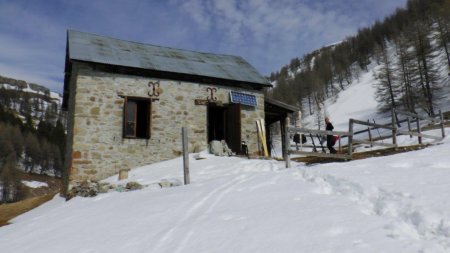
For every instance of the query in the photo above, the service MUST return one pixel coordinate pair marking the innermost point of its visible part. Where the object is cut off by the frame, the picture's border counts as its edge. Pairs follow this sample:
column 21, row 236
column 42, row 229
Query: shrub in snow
column 131, row 186
column 84, row 189
column 104, row 187
column 169, row 183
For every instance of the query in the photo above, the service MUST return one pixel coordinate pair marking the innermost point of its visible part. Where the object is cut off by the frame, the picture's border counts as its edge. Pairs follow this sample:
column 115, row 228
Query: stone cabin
column 128, row 101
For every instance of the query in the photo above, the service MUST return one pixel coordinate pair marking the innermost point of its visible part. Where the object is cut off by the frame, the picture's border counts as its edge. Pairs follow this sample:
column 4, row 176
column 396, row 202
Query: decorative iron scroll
column 212, row 97
column 155, row 87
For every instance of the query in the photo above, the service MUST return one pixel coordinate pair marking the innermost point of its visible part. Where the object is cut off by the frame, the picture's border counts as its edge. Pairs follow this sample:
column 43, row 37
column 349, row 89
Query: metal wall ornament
column 211, row 97
column 155, row 89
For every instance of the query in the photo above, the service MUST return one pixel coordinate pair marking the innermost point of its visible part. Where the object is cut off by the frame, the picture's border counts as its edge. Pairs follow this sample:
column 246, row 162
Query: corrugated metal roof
column 99, row 49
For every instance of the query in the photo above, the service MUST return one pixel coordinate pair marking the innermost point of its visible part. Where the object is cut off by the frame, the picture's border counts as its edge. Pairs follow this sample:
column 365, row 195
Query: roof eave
column 171, row 75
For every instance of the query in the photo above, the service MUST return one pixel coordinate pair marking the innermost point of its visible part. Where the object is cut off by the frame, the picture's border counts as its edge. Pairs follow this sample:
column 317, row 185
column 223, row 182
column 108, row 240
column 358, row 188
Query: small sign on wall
column 201, row 101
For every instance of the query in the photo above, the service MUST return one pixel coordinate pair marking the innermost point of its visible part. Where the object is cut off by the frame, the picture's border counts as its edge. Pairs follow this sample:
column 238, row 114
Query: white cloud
column 32, row 62
column 197, row 10
column 267, row 33
column 32, row 47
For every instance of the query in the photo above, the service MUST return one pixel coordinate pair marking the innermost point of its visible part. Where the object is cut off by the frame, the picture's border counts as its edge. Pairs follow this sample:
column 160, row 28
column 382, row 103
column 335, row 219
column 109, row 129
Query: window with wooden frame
column 137, row 118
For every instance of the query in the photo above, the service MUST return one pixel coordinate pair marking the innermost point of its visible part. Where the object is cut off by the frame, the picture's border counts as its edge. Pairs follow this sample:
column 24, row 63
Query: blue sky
column 267, row 33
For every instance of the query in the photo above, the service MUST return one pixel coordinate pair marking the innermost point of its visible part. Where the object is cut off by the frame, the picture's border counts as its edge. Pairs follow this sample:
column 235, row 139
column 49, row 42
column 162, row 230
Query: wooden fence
column 437, row 119
column 291, row 129
column 393, row 129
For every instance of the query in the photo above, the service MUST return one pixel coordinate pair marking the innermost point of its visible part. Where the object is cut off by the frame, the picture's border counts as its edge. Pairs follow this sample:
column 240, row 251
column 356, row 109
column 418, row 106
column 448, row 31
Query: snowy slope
column 357, row 101
column 389, row 204
column 56, row 97
column 40, row 99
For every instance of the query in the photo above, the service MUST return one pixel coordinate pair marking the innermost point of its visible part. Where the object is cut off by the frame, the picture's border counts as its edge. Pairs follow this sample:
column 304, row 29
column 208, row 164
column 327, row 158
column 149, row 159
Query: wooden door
column 233, row 127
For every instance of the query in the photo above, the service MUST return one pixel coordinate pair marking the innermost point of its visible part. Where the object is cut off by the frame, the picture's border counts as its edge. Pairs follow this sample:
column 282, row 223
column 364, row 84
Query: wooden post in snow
column 340, row 146
column 287, row 143
column 394, row 128
column 184, row 135
column 442, row 123
column 350, row 137
column 370, row 133
column 409, row 126
column 418, row 129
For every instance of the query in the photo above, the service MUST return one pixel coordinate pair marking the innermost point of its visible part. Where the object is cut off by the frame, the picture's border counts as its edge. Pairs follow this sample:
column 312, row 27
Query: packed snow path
column 397, row 203
column 406, row 220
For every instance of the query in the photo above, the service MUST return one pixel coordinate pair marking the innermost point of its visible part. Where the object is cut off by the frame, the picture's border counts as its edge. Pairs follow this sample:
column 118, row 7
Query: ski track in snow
column 405, row 218
column 199, row 209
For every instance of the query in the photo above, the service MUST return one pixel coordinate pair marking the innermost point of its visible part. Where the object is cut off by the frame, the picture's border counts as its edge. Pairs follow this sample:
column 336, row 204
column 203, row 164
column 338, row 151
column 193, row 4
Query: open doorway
column 224, row 123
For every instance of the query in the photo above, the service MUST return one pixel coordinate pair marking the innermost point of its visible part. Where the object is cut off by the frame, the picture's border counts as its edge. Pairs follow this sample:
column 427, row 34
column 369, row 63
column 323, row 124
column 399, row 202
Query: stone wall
column 97, row 149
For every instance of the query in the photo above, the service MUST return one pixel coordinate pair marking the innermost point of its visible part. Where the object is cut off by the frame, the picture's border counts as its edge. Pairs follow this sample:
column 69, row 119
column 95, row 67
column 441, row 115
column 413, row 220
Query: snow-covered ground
column 397, row 203
column 34, row 184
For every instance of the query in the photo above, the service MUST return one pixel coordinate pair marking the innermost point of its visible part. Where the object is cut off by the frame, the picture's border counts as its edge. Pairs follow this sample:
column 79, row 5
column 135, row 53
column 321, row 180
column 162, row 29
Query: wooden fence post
column 394, row 128
column 409, row 126
column 350, row 137
column 370, row 134
column 442, row 123
column 418, row 130
column 283, row 138
column 287, row 143
column 184, row 136
column 340, row 146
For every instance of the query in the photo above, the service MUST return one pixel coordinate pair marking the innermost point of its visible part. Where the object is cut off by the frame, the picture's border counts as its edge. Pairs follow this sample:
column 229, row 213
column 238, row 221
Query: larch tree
column 442, row 35
column 403, row 71
column 425, row 69
column 9, row 179
column 386, row 85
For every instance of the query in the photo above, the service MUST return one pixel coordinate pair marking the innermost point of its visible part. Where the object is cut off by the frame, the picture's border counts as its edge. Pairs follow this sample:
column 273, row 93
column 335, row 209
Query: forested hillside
column 408, row 53
column 32, row 134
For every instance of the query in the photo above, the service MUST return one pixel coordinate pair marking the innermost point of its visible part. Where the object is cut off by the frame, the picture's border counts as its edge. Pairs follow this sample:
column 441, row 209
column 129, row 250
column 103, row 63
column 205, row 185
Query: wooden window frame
column 137, row 118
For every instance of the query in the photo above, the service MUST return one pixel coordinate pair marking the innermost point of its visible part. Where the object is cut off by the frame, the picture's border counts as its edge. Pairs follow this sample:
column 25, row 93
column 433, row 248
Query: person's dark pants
column 329, row 144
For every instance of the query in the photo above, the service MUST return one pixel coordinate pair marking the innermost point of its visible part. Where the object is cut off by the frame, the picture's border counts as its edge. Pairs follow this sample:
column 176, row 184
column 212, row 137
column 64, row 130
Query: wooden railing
column 291, row 129
column 393, row 128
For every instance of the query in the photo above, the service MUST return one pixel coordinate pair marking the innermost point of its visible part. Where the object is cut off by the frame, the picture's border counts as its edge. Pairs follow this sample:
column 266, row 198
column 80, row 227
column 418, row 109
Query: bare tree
column 427, row 72
column 442, row 19
column 403, row 71
column 387, row 89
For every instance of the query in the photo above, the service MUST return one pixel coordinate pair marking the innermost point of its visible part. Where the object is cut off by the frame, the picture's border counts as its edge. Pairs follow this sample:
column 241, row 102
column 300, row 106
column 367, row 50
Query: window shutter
column 124, row 118
column 137, row 118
